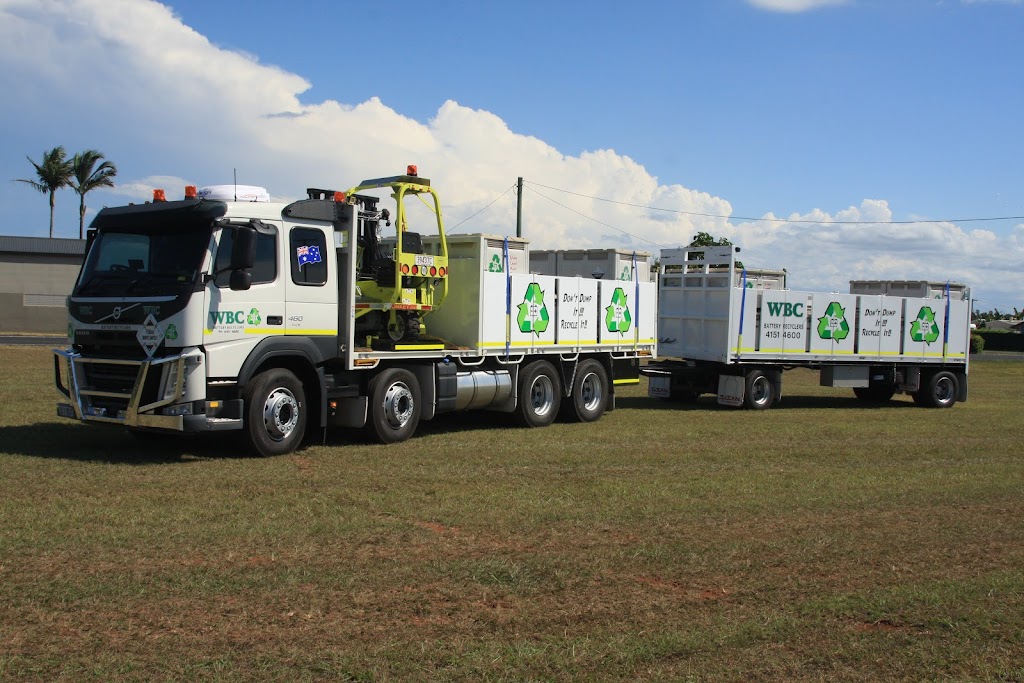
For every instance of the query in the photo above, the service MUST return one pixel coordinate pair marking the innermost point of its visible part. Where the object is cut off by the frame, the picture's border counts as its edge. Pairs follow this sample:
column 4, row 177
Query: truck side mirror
column 240, row 280
column 243, row 249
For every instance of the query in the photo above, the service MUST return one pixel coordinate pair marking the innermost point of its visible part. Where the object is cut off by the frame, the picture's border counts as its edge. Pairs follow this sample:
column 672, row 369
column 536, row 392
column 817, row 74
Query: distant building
column 36, row 276
column 1003, row 325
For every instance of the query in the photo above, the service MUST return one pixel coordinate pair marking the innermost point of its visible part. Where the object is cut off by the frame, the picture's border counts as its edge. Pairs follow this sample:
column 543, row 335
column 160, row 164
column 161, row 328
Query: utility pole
column 519, row 207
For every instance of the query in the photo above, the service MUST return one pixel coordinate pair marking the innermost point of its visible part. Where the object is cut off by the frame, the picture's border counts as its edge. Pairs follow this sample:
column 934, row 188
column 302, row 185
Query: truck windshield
column 143, row 262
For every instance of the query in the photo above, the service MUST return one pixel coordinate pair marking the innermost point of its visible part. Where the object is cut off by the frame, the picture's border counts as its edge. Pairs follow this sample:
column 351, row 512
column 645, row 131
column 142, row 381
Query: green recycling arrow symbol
column 533, row 313
column 833, row 324
column 617, row 318
column 924, row 328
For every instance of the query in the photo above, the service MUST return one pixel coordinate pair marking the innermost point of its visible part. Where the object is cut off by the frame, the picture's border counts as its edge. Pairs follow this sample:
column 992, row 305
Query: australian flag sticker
column 308, row 254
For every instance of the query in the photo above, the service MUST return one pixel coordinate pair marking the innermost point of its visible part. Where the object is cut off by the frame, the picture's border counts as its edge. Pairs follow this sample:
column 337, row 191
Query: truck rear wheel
column 540, row 394
column 589, row 393
column 939, row 391
column 759, row 393
column 275, row 412
column 394, row 405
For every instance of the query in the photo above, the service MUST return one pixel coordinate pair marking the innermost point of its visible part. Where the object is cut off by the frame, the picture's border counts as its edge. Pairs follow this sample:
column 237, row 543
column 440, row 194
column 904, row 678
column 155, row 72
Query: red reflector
column 433, row 271
column 415, row 270
column 159, row 196
column 190, row 192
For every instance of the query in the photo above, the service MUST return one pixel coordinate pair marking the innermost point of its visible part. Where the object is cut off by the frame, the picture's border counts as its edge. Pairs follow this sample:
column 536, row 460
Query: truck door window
column 264, row 268
column 308, row 256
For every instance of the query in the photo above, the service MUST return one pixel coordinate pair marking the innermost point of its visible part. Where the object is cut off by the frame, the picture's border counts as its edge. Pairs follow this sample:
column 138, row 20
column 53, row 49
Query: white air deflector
column 234, row 193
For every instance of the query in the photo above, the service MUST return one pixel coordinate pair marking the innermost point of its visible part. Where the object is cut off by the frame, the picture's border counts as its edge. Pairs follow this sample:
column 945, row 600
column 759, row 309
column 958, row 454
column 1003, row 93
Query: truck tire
column 939, row 391
column 540, row 394
column 874, row 394
column 759, row 392
column 275, row 412
column 589, row 396
column 394, row 405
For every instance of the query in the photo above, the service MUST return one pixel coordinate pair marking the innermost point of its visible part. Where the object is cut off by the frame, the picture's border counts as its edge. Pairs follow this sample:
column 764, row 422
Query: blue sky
column 866, row 110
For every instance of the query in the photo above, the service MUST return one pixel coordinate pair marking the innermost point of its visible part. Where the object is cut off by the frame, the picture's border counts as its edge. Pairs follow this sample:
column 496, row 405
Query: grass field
column 820, row 540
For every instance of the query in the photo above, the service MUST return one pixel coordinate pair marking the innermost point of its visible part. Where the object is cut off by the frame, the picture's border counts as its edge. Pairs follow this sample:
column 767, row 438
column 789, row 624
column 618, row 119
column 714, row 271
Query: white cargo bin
column 603, row 264
column 544, row 262
column 490, row 310
column 761, row 279
column 922, row 289
column 485, row 252
column 872, row 287
column 914, row 289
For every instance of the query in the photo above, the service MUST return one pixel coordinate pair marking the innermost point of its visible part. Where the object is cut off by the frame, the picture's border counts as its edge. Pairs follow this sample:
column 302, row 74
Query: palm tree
column 53, row 173
column 86, row 179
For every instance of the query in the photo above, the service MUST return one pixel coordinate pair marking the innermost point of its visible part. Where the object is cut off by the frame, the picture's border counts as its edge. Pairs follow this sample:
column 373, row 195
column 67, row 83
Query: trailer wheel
column 540, row 394
column 759, row 393
column 394, row 405
column 275, row 412
column 940, row 391
column 878, row 393
column 589, row 393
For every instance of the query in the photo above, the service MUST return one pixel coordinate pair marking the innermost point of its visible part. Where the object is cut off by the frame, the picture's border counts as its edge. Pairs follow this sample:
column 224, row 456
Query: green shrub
column 1002, row 340
column 977, row 343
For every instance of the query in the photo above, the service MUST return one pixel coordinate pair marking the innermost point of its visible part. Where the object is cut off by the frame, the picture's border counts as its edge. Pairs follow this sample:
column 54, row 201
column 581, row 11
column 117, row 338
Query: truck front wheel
column 394, row 405
column 275, row 412
column 939, row 391
column 540, row 394
column 589, row 393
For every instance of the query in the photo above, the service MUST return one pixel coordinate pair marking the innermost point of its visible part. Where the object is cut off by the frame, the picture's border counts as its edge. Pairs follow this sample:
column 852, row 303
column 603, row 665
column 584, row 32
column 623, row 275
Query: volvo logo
column 116, row 314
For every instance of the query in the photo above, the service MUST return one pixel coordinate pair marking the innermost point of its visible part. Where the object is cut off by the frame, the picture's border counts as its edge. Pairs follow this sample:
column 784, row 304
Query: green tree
column 52, row 174
column 86, row 177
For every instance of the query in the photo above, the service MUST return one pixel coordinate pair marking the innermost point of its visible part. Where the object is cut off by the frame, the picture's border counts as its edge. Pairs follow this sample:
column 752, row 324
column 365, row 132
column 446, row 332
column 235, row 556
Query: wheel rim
column 590, row 391
column 397, row 331
column 760, row 391
column 944, row 390
column 398, row 405
column 280, row 414
column 542, row 395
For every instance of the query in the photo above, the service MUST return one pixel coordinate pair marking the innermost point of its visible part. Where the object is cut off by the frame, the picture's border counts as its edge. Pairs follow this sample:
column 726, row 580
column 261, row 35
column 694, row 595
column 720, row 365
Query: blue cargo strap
column 743, row 306
column 636, row 304
column 945, row 326
column 508, row 298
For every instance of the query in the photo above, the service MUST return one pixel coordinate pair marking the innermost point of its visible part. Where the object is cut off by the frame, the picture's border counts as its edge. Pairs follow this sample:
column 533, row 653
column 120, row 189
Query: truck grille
column 113, row 378
column 111, row 389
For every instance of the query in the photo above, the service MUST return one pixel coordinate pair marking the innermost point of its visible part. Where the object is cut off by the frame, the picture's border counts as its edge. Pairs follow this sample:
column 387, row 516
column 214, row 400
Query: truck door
column 312, row 294
column 236, row 321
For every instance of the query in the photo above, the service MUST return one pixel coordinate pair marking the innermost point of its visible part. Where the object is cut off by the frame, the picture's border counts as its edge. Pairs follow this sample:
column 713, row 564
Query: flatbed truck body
column 275, row 320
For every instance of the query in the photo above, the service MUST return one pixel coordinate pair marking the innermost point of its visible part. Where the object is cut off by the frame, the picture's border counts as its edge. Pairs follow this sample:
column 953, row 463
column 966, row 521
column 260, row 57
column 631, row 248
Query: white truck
column 211, row 314
column 721, row 334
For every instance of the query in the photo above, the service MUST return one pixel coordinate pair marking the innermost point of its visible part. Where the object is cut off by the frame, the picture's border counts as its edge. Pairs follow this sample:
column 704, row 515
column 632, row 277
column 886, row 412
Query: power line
column 771, row 220
column 569, row 208
column 485, row 208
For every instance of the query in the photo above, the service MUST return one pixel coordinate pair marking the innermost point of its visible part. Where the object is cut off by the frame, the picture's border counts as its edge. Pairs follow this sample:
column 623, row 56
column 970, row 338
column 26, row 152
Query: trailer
column 723, row 334
column 276, row 320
